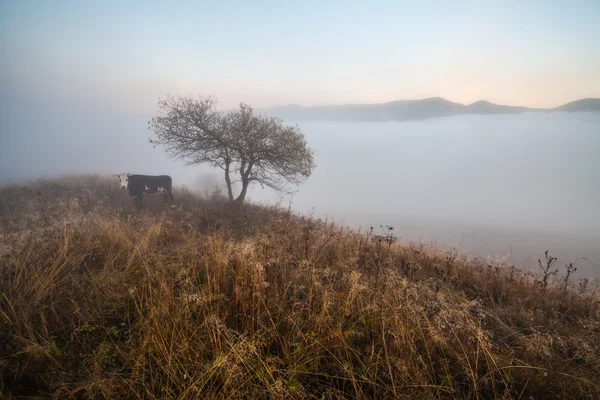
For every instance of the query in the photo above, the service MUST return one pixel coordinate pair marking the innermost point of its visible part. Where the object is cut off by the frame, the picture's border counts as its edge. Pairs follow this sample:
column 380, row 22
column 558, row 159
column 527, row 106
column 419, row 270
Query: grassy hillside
column 98, row 300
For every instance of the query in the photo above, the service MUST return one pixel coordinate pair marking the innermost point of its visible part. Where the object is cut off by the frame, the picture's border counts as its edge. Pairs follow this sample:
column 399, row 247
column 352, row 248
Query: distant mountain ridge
column 405, row 110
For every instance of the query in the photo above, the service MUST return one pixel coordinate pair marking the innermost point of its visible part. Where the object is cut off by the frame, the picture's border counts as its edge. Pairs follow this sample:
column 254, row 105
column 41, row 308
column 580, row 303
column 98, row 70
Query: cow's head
column 123, row 180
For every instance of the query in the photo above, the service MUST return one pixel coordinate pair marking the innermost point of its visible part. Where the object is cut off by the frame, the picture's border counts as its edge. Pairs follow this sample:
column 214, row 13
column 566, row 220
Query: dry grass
column 191, row 301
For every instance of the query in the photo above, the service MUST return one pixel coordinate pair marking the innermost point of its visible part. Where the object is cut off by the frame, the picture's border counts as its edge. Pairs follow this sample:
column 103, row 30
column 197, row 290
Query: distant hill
column 485, row 107
column 590, row 105
column 404, row 110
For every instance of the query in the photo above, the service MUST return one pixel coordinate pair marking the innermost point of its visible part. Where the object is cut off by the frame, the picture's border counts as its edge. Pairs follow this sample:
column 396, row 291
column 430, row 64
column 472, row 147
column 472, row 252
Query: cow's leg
column 140, row 202
column 167, row 191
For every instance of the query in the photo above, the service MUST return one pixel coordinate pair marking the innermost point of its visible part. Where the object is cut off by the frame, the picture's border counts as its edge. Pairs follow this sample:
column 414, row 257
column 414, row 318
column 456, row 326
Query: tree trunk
column 245, row 173
column 228, row 181
column 240, row 199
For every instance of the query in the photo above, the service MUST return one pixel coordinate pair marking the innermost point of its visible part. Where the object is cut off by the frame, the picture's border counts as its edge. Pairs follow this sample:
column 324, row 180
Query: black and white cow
column 137, row 185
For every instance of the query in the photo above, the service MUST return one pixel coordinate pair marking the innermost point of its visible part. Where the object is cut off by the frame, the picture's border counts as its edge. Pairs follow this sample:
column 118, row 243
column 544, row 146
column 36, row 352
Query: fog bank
column 495, row 184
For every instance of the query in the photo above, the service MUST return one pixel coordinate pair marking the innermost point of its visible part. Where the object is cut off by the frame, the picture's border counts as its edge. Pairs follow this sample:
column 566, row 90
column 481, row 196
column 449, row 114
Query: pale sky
column 518, row 52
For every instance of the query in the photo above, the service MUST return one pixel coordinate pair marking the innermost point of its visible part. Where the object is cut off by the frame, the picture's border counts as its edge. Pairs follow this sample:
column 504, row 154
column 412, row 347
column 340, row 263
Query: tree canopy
column 254, row 148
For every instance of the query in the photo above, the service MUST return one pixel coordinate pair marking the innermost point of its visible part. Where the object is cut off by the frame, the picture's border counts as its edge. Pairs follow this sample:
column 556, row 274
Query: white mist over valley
column 497, row 186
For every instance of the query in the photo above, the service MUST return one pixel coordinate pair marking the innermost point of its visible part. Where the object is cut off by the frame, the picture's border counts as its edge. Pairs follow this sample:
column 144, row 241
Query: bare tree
column 254, row 148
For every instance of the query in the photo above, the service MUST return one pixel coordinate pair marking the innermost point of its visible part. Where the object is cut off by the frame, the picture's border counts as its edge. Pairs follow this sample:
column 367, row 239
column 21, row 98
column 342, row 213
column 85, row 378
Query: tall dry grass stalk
column 98, row 300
